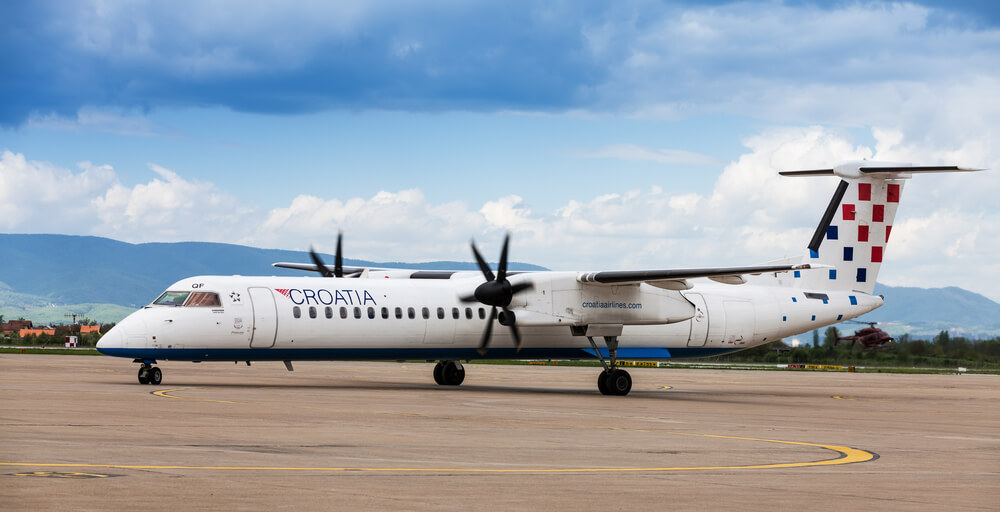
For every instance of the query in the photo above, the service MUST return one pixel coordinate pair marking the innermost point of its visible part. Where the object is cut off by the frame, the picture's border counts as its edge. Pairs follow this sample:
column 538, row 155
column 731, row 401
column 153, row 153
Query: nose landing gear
column 149, row 374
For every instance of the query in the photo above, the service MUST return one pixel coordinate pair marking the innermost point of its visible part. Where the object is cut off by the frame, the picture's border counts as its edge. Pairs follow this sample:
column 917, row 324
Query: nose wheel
column 149, row 374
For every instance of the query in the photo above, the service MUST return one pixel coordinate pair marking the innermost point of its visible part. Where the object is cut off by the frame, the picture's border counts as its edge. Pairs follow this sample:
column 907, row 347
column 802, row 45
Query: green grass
column 60, row 351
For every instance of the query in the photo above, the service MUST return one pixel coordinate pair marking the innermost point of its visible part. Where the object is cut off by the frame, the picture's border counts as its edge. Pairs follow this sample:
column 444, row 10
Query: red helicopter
column 870, row 337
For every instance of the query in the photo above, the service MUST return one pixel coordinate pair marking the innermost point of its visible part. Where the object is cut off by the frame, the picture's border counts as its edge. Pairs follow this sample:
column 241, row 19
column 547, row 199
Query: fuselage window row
column 456, row 313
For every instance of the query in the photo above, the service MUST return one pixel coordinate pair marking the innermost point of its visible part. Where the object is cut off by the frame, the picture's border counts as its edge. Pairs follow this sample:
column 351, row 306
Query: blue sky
column 602, row 135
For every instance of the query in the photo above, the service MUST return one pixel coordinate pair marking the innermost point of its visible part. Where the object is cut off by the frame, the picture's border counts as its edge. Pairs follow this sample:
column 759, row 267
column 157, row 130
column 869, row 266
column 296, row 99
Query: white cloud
column 400, row 226
column 169, row 208
column 42, row 198
column 946, row 233
column 927, row 72
column 38, row 197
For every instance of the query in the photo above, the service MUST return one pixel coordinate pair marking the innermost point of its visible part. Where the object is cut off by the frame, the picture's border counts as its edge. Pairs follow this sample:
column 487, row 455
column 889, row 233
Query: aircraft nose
column 111, row 340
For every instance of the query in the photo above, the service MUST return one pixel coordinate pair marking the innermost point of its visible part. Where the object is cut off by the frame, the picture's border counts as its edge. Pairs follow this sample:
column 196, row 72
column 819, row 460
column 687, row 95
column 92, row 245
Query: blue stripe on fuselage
column 382, row 354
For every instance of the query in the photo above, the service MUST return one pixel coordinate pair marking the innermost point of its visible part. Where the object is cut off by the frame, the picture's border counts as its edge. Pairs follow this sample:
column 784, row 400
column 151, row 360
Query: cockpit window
column 170, row 298
column 203, row 299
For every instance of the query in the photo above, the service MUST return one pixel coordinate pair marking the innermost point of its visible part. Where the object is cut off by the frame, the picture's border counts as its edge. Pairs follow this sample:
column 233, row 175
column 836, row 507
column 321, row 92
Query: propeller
column 338, row 261
column 498, row 292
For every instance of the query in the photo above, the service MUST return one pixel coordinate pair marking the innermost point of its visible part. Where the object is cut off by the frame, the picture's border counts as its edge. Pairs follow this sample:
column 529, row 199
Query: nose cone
column 112, row 340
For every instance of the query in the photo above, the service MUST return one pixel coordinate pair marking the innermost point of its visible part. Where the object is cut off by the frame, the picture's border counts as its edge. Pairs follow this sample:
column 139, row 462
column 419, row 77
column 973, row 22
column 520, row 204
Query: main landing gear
column 149, row 374
column 449, row 373
column 612, row 381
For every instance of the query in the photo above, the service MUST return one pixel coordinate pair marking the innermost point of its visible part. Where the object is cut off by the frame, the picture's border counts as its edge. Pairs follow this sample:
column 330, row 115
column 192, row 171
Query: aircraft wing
column 667, row 278
column 348, row 271
column 398, row 272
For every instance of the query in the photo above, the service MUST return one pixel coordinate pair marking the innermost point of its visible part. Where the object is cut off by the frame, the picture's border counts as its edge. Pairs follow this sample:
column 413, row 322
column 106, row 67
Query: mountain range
column 46, row 278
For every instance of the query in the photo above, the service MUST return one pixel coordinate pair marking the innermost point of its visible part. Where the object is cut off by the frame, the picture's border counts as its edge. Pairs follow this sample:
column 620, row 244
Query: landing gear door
column 265, row 318
column 699, row 323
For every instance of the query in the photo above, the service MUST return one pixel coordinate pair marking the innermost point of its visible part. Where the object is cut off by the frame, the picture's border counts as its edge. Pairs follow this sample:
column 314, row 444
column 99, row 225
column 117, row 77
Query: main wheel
column 619, row 383
column 143, row 375
column 452, row 373
column 438, row 373
column 602, row 383
column 155, row 376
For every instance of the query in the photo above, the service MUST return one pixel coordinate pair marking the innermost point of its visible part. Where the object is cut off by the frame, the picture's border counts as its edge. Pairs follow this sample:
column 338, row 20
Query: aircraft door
column 440, row 327
column 699, row 323
column 265, row 318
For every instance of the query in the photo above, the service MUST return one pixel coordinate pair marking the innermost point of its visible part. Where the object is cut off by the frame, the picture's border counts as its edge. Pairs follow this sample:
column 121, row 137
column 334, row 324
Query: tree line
column 943, row 351
column 88, row 339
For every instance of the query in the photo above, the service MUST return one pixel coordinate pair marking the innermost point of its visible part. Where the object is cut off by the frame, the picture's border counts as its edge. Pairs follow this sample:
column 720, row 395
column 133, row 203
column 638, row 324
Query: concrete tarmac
column 80, row 433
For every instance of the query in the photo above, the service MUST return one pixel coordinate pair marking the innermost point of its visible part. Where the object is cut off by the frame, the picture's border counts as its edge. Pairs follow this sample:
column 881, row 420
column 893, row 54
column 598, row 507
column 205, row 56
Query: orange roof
column 35, row 332
column 90, row 328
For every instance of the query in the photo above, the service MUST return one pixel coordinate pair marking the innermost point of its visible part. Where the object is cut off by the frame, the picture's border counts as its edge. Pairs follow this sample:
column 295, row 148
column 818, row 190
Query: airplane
column 358, row 313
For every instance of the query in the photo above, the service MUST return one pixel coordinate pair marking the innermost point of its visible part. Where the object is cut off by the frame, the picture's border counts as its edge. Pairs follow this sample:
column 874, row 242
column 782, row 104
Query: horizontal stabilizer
column 859, row 169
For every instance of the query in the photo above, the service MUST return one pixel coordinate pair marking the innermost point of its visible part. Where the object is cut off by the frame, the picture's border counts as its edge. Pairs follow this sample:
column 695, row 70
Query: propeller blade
column 483, row 266
column 338, row 262
column 320, row 266
column 485, row 342
column 502, row 268
column 468, row 298
column 513, row 329
column 520, row 287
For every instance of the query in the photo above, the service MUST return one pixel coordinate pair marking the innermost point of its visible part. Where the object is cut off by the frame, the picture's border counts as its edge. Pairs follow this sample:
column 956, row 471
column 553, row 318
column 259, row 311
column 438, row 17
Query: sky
column 601, row 135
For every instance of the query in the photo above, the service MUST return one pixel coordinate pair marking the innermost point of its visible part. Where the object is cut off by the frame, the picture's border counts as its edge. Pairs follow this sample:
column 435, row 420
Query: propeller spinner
column 498, row 292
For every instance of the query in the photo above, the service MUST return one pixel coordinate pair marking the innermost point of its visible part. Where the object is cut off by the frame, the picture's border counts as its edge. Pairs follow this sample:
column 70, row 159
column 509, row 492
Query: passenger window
column 385, row 312
column 482, row 314
column 329, row 312
column 399, row 313
column 297, row 312
column 357, row 312
column 371, row 312
column 468, row 313
column 440, row 313
column 411, row 313
column 426, row 312
column 454, row 313
column 343, row 312
column 312, row 311
column 203, row 299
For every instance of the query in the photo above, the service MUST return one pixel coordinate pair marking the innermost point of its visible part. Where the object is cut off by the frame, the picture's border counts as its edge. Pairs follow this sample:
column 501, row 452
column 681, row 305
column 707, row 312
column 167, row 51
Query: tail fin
column 855, row 229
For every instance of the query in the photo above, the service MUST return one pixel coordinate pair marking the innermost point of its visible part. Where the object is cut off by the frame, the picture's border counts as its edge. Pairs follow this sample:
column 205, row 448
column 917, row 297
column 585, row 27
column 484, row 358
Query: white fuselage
column 390, row 315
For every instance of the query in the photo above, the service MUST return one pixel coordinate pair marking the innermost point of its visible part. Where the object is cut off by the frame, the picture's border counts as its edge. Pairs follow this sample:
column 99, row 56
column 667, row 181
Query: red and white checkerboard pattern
column 856, row 239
